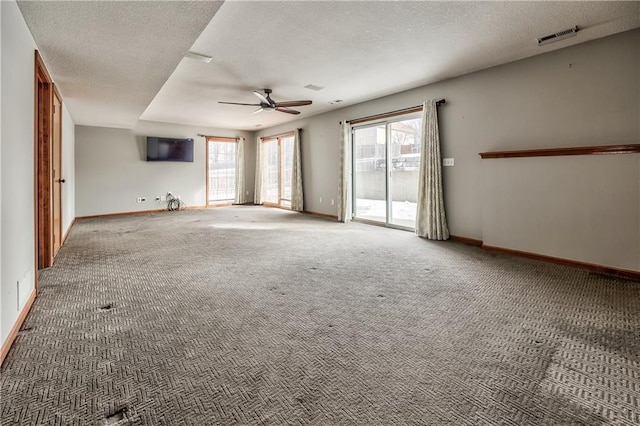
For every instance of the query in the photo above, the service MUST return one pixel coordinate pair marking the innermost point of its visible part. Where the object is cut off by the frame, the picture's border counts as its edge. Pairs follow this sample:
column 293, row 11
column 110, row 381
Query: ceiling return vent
column 560, row 35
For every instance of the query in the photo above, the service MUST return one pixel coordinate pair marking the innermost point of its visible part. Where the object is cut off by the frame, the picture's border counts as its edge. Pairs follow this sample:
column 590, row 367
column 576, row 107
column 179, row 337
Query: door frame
column 282, row 202
column 216, row 203
column 43, row 135
column 57, row 179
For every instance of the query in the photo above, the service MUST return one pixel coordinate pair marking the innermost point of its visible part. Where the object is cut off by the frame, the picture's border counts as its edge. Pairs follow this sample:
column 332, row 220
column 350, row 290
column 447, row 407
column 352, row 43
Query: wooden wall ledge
column 553, row 152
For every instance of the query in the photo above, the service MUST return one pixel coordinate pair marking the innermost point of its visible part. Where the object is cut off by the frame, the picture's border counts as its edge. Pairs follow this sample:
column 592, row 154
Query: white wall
column 1, row 322
column 68, row 170
column 17, row 155
column 586, row 94
column 112, row 171
column 17, row 148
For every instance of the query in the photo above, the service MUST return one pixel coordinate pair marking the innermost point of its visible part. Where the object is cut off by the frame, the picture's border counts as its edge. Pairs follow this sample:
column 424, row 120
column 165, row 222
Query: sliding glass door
column 386, row 159
column 221, row 171
column 277, row 164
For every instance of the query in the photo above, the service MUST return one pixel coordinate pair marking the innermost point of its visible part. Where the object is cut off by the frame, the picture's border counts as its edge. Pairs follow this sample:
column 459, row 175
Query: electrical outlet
column 139, row 199
column 320, row 199
column 447, row 162
column 247, row 192
column 163, row 198
column 332, row 202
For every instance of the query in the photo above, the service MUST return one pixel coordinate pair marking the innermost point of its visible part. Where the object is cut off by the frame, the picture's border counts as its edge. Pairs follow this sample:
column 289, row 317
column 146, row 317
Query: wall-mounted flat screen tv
column 169, row 149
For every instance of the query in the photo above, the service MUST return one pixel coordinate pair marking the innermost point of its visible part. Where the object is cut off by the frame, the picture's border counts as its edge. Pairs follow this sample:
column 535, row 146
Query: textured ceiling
column 111, row 58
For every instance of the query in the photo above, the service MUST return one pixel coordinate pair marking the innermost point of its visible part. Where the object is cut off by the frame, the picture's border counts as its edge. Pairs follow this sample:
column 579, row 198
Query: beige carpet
column 249, row 315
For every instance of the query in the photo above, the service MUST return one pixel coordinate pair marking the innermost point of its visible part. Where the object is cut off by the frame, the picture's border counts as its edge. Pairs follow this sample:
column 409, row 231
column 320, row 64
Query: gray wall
column 112, row 171
column 17, row 207
column 583, row 208
column 588, row 94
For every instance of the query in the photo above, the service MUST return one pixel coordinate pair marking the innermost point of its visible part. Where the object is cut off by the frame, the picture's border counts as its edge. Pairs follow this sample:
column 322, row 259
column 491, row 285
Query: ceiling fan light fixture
column 198, row 57
column 313, row 87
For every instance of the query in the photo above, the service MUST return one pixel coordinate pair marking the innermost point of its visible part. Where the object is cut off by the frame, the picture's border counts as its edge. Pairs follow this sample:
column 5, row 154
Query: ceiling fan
column 268, row 104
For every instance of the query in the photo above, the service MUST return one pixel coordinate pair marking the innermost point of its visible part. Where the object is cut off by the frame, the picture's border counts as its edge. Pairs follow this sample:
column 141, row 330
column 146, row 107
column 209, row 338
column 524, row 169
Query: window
column 221, row 170
column 277, row 166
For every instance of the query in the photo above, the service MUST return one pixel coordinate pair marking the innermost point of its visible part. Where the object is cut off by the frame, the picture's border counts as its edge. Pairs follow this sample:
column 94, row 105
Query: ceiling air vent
column 560, row 35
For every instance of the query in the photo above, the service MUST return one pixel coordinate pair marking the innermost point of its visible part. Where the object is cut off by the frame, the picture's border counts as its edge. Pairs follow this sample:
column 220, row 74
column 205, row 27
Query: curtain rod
column 392, row 113
column 280, row 135
column 220, row 137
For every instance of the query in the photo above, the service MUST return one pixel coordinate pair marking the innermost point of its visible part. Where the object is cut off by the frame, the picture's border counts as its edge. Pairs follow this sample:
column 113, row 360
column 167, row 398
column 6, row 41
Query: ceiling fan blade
column 236, row 103
column 293, row 103
column 262, row 98
column 257, row 111
column 287, row 110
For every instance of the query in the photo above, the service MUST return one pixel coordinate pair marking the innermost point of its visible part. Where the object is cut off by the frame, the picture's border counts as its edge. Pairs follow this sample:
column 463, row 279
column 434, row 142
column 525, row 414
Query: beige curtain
column 297, row 199
column 431, row 222
column 344, row 174
column 257, row 196
column 240, row 187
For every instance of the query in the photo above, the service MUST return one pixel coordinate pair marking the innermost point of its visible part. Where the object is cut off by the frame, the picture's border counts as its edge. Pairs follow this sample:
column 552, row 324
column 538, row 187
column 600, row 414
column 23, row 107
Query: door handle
column 61, row 180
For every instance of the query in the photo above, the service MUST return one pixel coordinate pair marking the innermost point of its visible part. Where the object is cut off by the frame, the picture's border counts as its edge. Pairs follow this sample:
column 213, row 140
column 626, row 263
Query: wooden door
column 57, row 180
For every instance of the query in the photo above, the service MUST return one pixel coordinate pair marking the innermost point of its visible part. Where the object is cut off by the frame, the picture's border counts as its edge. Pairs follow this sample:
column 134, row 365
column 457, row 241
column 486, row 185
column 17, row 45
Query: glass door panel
column 271, row 170
column 404, row 150
column 370, row 171
column 287, row 169
column 221, row 171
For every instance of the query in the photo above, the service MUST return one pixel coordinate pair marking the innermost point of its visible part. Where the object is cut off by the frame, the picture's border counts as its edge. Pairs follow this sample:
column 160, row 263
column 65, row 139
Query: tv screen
column 169, row 149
